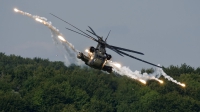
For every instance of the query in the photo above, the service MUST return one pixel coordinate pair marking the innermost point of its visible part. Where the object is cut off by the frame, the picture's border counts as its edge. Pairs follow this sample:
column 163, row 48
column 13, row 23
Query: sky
column 167, row 32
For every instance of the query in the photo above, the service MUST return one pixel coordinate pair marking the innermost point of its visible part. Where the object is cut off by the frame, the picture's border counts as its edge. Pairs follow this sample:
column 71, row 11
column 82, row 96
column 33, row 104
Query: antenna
column 107, row 35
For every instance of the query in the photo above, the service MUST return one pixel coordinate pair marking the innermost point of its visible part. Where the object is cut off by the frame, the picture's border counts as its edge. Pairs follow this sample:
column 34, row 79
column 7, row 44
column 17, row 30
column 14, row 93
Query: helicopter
column 97, row 56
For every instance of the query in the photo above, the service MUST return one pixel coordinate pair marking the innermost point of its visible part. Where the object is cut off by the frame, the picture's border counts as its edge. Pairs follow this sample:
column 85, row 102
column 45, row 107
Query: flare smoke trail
column 71, row 53
column 142, row 77
column 57, row 37
column 134, row 75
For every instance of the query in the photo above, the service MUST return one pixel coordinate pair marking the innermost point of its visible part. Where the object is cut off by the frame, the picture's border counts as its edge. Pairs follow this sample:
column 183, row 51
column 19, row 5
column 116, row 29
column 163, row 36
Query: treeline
column 40, row 85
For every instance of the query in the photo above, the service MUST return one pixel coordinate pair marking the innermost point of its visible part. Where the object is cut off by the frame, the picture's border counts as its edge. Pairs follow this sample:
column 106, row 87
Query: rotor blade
column 127, row 50
column 70, row 24
column 107, row 35
column 82, row 34
column 93, row 34
column 115, row 51
column 140, row 59
column 92, row 30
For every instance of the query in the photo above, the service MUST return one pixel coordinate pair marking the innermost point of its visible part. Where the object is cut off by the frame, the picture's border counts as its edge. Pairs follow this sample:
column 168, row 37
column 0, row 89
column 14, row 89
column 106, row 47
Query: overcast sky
column 167, row 32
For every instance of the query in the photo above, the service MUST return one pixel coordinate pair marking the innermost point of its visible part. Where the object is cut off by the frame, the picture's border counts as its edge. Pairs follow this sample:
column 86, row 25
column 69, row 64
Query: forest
column 37, row 85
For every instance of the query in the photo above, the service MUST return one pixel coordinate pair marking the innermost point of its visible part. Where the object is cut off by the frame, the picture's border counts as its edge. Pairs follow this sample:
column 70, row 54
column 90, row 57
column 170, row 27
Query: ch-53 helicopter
column 97, row 57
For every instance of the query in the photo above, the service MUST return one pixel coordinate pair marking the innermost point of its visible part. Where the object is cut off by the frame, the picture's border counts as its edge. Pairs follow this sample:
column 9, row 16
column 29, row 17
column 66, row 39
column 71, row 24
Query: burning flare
column 161, row 82
column 142, row 81
column 61, row 38
column 87, row 51
column 16, row 10
column 183, row 85
column 39, row 20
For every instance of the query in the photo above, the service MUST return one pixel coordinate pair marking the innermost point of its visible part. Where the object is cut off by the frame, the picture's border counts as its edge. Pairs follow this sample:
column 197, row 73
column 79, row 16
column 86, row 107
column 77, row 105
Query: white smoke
column 160, row 72
column 71, row 53
column 125, row 71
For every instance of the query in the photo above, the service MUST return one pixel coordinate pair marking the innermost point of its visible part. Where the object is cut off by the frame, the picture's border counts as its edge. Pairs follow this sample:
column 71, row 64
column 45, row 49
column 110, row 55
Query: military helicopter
column 97, row 56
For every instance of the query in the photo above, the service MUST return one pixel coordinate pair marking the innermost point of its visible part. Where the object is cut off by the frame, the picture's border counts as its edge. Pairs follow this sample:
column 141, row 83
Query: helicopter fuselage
column 96, row 58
